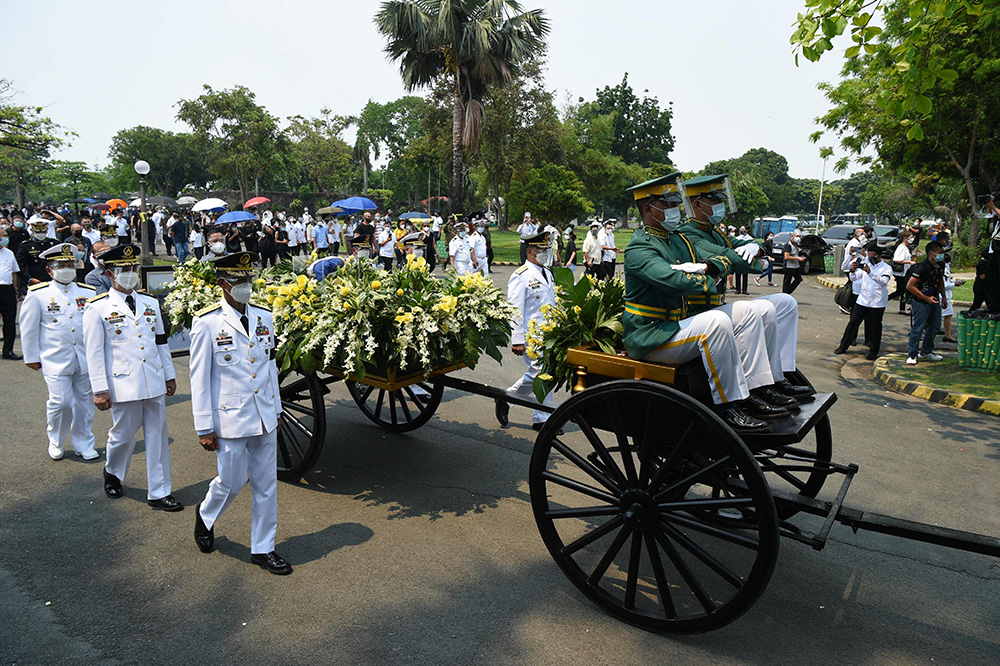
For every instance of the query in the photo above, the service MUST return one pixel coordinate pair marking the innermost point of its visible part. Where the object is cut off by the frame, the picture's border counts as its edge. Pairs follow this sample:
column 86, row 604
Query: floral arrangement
column 193, row 288
column 364, row 317
column 587, row 313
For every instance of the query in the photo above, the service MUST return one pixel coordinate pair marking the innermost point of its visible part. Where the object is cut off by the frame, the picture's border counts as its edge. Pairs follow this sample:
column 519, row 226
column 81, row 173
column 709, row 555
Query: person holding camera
column 926, row 287
column 874, row 276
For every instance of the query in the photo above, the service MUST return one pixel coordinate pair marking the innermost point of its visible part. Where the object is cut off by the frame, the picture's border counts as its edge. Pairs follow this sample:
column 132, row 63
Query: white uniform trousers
column 70, row 411
column 127, row 418
column 710, row 335
column 782, row 348
column 751, row 341
column 256, row 457
column 524, row 388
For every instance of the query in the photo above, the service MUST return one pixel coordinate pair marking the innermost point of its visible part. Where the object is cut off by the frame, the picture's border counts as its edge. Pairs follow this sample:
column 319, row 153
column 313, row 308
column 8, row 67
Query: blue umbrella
column 236, row 216
column 355, row 204
column 415, row 216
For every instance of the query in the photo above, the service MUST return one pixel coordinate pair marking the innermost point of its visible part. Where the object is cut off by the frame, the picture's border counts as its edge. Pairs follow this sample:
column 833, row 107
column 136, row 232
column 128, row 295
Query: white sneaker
column 930, row 357
column 912, row 360
column 89, row 455
column 55, row 452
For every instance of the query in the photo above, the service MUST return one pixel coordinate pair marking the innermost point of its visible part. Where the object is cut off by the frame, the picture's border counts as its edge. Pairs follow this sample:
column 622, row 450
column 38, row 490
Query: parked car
column 840, row 234
column 887, row 235
column 813, row 246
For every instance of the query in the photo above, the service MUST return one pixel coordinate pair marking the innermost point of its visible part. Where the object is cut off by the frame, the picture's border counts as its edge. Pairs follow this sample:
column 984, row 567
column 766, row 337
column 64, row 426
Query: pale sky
column 104, row 65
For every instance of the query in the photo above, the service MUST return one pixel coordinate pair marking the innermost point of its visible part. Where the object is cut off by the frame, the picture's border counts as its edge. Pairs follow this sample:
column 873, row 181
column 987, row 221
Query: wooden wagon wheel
column 402, row 410
column 653, row 507
column 303, row 424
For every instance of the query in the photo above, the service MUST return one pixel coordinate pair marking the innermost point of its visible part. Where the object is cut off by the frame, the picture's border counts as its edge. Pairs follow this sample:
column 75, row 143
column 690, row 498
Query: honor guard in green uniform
column 706, row 200
column 667, row 275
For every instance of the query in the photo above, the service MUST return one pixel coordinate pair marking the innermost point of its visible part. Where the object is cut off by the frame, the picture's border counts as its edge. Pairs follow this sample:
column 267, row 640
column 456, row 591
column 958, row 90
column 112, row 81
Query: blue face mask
column 19, row 225
column 672, row 218
column 718, row 212
column 4, row 242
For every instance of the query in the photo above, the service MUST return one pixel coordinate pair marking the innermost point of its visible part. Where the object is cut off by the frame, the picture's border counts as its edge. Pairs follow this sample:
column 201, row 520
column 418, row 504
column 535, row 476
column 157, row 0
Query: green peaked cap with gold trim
column 664, row 187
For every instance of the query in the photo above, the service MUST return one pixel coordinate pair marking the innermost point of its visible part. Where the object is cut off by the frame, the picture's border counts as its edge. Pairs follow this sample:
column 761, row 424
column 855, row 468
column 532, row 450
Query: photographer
column 873, row 275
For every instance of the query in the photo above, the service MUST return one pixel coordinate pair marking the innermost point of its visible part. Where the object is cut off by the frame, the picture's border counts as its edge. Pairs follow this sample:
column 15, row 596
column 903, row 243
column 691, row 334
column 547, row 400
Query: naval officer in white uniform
column 236, row 405
column 52, row 341
column 529, row 288
column 131, row 372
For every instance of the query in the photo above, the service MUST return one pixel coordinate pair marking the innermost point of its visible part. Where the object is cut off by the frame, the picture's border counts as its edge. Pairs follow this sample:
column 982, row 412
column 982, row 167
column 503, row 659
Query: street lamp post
column 819, row 206
column 142, row 168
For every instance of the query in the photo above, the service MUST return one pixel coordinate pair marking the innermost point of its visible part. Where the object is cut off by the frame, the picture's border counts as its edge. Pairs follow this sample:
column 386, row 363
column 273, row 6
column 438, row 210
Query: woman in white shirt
column 461, row 251
column 386, row 241
column 197, row 240
column 874, row 276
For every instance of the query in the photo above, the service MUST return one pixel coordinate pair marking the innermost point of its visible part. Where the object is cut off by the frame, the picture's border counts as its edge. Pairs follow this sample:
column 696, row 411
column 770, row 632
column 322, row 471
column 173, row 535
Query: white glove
column 690, row 267
column 749, row 252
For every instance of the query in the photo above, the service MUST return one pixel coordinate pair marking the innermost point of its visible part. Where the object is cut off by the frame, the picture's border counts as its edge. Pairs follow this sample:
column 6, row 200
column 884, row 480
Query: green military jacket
column 715, row 242
column 656, row 295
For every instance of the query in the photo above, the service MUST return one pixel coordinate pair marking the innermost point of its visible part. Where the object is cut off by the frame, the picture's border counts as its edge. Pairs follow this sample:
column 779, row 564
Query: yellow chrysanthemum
column 377, row 284
column 400, row 292
column 546, row 377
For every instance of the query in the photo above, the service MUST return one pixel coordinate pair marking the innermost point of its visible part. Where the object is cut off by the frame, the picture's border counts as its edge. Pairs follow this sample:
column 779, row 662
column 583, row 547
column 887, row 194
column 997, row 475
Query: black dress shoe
column 204, row 538
column 760, row 408
column 776, row 397
column 167, row 503
column 794, row 390
column 838, row 351
column 13, row 357
column 112, row 486
column 271, row 562
column 738, row 419
column 871, row 357
column 502, row 411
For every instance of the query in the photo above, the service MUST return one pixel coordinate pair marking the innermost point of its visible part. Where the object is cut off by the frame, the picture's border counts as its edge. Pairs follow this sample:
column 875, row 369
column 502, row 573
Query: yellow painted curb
column 899, row 384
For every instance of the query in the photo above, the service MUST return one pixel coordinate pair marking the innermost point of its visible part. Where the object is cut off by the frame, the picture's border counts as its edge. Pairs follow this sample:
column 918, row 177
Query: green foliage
column 26, row 139
column 471, row 43
column 176, row 161
column 587, row 313
column 241, row 138
column 62, row 181
column 640, row 129
column 319, row 157
column 552, row 192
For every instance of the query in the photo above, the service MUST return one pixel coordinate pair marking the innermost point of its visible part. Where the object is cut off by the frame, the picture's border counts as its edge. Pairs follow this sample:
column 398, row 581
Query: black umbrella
column 102, row 196
column 161, row 201
column 82, row 200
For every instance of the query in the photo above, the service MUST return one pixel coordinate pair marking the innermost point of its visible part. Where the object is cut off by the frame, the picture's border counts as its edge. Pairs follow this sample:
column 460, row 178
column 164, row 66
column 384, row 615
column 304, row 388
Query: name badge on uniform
column 223, row 338
column 53, row 307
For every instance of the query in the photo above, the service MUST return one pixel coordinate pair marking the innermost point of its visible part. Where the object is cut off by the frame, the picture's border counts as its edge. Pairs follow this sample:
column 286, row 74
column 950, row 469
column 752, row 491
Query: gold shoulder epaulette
column 86, row 286
column 97, row 298
column 521, row 269
column 210, row 308
column 38, row 286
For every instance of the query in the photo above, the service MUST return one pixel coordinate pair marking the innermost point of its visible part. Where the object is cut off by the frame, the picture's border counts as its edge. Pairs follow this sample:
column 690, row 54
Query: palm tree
column 476, row 43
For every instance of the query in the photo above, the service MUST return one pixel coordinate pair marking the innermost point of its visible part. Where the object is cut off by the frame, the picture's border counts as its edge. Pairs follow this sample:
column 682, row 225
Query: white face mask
column 217, row 247
column 543, row 257
column 63, row 275
column 127, row 280
column 112, row 241
column 39, row 235
column 242, row 292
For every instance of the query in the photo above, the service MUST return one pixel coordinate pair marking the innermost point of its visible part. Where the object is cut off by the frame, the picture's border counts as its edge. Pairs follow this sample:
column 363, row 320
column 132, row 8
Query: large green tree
column 241, row 138
column 552, row 192
column 922, row 94
column 176, row 160
column 472, row 43
column 640, row 127
column 318, row 154
column 26, row 139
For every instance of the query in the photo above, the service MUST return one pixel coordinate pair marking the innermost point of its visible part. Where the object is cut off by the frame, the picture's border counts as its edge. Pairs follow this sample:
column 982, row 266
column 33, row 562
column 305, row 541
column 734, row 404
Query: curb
column 883, row 373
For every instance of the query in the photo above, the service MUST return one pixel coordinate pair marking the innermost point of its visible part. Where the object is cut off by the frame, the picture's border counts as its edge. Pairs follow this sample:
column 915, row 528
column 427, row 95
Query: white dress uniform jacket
column 234, row 380
column 127, row 353
column 51, row 324
column 52, row 334
column 529, row 288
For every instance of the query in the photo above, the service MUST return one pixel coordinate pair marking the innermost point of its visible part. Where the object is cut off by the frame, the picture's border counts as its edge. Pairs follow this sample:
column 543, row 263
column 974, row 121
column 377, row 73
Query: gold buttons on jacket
column 253, row 376
column 228, row 357
column 255, row 391
column 118, row 331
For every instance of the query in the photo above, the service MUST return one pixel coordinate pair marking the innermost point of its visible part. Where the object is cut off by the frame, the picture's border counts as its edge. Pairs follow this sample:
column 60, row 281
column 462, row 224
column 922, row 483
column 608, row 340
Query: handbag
column 842, row 296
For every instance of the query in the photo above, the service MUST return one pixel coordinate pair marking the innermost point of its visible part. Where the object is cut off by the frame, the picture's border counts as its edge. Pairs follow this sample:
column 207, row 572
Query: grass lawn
column 947, row 375
column 507, row 244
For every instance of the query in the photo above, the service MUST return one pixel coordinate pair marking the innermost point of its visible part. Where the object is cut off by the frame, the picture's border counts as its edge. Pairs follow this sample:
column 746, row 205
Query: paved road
column 422, row 549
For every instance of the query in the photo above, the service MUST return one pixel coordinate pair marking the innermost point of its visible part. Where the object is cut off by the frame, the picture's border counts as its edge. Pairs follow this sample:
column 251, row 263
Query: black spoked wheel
column 402, row 410
column 800, row 468
column 303, row 424
column 653, row 508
